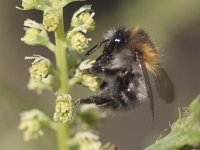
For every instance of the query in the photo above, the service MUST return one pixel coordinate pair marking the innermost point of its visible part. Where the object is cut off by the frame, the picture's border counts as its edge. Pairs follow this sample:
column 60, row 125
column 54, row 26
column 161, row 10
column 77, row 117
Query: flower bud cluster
column 31, row 36
column 82, row 22
column 90, row 81
column 83, row 19
column 88, row 141
column 44, row 84
column 41, row 74
column 41, row 68
column 35, row 34
column 29, row 4
column 79, row 42
column 51, row 20
column 64, row 108
column 35, row 4
column 31, row 124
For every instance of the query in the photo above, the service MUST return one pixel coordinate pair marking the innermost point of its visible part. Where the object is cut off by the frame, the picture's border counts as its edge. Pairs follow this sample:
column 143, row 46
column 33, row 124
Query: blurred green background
column 175, row 26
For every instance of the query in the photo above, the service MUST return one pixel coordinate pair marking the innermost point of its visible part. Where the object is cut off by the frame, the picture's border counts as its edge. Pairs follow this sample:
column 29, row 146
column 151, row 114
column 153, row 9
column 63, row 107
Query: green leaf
column 185, row 132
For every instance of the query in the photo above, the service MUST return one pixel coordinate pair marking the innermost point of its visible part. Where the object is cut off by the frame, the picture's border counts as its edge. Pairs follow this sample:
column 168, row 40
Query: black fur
column 119, row 87
column 123, row 70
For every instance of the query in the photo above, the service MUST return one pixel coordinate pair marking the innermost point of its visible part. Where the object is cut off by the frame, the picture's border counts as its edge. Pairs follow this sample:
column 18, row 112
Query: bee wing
column 142, row 66
column 164, row 85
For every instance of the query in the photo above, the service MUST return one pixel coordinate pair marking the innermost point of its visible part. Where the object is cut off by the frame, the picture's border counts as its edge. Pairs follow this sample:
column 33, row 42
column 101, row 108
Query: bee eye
column 116, row 43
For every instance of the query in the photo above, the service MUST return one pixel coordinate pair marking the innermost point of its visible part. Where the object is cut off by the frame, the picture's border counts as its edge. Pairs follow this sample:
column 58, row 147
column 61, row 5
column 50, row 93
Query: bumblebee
column 129, row 56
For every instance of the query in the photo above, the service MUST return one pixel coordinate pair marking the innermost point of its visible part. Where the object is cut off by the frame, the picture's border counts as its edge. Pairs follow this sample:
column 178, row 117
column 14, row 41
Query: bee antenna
column 98, row 45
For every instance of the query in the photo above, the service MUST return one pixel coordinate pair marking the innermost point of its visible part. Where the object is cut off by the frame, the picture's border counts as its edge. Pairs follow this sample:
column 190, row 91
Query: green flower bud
column 51, row 20
column 88, row 141
column 29, row 4
column 87, row 18
column 90, row 145
column 79, row 42
column 39, row 71
column 35, row 36
column 92, row 82
column 35, row 4
column 41, row 68
column 31, row 129
column 31, row 124
column 82, row 19
column 44, row 84
column 31, row 36
column 64, row 108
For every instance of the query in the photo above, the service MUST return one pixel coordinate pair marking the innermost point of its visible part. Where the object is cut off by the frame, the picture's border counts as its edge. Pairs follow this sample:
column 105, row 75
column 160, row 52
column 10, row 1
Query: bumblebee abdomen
column 127, row 91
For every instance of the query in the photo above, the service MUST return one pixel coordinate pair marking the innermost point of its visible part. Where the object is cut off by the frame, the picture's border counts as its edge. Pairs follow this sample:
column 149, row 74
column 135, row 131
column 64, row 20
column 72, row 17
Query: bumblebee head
column 129, row 40
column 117, row 39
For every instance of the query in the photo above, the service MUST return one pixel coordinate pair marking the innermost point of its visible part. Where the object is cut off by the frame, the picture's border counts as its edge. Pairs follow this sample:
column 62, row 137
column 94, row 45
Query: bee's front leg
column 101, row 66
column 94, row 70
column 101, row 70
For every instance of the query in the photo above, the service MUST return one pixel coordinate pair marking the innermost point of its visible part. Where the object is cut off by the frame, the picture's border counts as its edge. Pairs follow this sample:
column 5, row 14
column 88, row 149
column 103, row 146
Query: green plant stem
column 62, row 68
column 61, row 58
column 61, row 61
column 62, row 136
column 50, row 46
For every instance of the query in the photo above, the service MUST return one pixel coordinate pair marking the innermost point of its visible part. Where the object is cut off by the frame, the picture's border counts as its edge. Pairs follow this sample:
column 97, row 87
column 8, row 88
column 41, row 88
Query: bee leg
column 93, row 99
column 99, row 65
column 102, row 102
column 100, row 70
column 110, row 72
column 111, row 105
column 105, row 71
